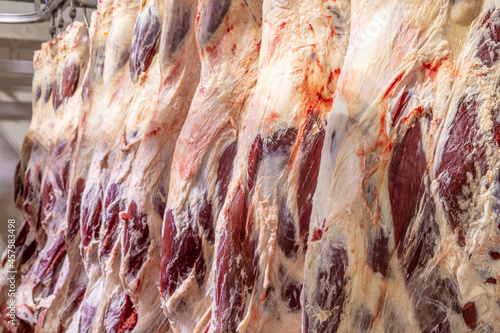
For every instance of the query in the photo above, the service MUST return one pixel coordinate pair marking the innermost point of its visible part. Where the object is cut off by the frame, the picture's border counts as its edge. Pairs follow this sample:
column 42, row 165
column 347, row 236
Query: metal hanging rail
column 41, row 15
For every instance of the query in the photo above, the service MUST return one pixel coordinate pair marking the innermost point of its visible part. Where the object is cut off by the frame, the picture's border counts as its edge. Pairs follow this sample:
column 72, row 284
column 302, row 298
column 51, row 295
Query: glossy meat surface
column 262, row 166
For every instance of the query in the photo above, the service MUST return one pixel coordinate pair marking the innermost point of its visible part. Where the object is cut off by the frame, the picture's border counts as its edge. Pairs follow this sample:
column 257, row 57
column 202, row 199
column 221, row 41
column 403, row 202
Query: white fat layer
column 399, row 45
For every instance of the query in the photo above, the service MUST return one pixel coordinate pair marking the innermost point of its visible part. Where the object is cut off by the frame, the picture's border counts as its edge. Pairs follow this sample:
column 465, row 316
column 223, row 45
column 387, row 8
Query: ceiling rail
column 43, row 15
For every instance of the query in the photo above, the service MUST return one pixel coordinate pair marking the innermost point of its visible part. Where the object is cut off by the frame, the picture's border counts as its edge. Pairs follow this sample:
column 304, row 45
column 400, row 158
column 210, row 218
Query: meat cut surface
column 203, row 159
column 262, row 230
column 262, row 166
column 406, row 240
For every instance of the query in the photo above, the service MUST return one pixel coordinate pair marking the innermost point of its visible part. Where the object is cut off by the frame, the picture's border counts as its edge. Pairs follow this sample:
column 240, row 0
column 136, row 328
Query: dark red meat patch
column 225, row 172
column 310, row 158
column 407, row 171
column 136, row 240
column 463, row 153
column 488, row 50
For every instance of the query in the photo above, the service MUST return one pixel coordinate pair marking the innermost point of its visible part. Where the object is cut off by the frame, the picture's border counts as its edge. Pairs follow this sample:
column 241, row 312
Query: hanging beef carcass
column 401, row 234
column 32, row 236
column 115, row 85
column 26, row 304
column 25, row 242
column 93, row 96
column 39, row 58
column 401, row 240
column 146, row 77
column 48, row 273
column 263, row 228
column 67, row 309
column 33, row 154
column 137, row 194
column 8, row 262
column 56, row 183
column 110, row 86
column 113, row 94
column 228, row 35
column 38, row 61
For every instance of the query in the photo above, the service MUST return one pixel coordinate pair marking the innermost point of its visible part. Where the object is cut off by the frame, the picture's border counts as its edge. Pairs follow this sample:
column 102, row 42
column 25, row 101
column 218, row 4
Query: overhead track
column 44, row 14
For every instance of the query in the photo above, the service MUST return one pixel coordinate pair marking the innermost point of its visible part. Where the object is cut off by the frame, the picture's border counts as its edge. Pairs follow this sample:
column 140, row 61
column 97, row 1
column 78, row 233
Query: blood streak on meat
column 317, row 235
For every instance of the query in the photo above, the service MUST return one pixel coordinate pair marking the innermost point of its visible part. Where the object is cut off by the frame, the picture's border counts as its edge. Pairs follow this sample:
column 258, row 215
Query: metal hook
column 72, row 10
column 85, row 19
column 52, row 27
column 60, row 19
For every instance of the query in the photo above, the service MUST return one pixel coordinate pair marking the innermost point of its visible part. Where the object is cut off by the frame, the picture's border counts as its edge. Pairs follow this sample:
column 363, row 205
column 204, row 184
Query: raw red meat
column 264, row 225
column 54, row 212
column 407, row 156
column 44, row 278
column 143, row 186
column 228, row 34
column 40, row 271
column 261, row 166
column 110, row 86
